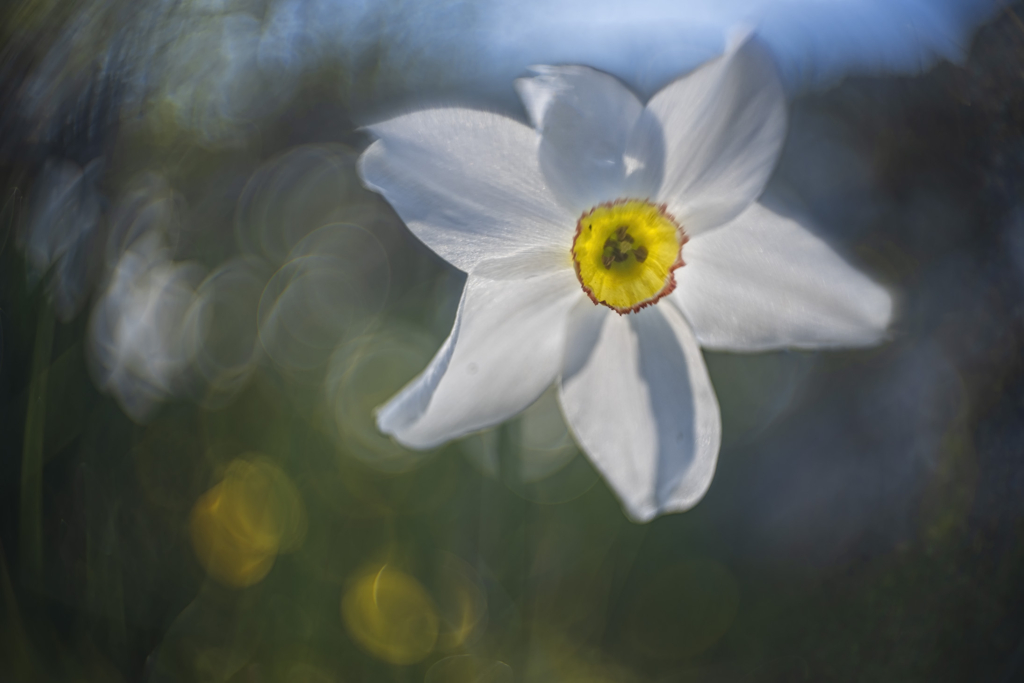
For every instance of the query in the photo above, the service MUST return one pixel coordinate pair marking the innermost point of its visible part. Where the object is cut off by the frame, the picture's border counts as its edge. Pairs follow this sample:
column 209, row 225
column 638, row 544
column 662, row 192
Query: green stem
column 509, row 438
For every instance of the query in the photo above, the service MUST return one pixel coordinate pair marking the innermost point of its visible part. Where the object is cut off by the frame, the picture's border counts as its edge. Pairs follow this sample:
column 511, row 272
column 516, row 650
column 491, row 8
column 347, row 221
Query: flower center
column 625, row 253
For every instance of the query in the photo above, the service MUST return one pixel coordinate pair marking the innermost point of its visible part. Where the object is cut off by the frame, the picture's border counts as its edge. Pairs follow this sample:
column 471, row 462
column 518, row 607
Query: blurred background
column 200, row 307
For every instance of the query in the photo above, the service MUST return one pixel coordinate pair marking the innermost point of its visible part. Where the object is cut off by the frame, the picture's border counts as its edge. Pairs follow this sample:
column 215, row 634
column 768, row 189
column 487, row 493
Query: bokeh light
column 461, row 601
column 362, row 376
column 390, row 614
column 240, row 525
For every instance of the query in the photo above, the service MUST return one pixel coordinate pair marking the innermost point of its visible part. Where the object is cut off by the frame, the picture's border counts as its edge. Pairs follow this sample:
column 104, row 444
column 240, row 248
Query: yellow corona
column 625, row 253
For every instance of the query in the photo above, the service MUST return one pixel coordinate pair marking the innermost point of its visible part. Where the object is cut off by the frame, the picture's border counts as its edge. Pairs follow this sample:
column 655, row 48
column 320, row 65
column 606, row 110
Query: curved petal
column 466, row 183
column 638, row 398
column 584, row 118
column 765, row 282
column 722, row 127
column 505, row 349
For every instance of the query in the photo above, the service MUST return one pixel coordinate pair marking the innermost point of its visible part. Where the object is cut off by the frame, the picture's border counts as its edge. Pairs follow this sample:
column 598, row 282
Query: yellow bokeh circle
column 390, row 615
column 240, row 525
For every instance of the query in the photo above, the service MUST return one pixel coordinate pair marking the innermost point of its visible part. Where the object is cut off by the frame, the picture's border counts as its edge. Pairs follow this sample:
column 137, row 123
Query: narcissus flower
column 604, row 247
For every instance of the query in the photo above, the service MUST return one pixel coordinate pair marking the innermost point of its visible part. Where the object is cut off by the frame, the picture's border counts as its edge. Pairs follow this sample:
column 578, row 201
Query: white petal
column 638, row 398
column 466, row 183
column 527, row 264
column 504, row 350
column 765, row 282
column 721, row 128
column 584, row 118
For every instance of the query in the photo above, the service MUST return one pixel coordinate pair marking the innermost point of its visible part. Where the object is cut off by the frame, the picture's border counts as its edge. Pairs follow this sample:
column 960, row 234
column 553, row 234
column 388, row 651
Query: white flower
column 604, row 202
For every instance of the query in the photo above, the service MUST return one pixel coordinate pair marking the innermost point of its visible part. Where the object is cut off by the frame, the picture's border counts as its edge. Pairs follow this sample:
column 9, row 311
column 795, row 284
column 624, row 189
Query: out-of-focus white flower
column 603, row 249
column 137, row 345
